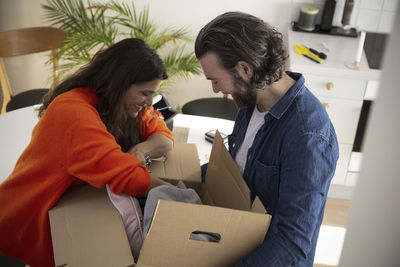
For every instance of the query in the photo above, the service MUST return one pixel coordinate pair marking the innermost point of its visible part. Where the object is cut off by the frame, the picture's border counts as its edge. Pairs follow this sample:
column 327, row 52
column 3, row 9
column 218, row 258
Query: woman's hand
column 155, row 146
column 138, row 153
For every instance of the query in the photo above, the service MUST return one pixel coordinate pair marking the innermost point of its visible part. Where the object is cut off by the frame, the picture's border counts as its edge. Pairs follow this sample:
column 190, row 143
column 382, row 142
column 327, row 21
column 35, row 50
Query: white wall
column 373, row 234
column 27, row 72
column 24, row 72
column 367, row 15
column 192, row 14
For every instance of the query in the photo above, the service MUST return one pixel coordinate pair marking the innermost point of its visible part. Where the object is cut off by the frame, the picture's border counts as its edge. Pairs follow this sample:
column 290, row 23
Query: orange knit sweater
column 70, row 145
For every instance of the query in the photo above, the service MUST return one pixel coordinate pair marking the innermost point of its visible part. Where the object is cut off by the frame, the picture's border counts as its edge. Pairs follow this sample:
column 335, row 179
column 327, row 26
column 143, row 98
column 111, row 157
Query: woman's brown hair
column 109, row 74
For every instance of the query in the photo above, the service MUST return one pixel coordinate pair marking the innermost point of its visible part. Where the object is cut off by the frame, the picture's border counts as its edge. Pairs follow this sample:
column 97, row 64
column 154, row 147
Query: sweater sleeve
column 154, row 123
column 94, row 156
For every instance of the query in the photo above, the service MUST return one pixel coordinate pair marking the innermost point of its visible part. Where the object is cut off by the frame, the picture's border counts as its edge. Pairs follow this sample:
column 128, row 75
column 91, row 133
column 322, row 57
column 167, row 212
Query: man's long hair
column 237, row 36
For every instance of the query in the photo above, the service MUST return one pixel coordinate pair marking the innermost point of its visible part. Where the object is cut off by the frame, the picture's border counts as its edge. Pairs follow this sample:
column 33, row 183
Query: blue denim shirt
column 289, row 167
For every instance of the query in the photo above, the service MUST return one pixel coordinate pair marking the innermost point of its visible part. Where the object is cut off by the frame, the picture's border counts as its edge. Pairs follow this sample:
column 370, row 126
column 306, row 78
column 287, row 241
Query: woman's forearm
column 156, row 145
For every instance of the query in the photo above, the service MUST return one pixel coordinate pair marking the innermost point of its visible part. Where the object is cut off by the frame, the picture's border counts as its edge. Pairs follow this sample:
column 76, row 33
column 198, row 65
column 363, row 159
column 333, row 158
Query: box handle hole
column 205, row 236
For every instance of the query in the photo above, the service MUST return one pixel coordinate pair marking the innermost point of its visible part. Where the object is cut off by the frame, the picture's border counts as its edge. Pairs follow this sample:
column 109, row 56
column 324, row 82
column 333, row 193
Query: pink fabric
column 132, row 217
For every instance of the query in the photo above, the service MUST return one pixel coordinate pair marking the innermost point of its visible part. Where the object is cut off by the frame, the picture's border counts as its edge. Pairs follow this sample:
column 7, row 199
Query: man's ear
column 245, row 70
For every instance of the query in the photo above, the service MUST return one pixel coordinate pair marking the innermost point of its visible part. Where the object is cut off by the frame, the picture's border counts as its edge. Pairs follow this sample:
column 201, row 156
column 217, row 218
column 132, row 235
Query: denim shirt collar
column 284, row 103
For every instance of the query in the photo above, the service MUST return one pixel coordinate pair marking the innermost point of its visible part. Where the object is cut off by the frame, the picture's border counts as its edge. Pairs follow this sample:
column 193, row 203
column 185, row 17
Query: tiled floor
column 336, row 212
column 332, row 233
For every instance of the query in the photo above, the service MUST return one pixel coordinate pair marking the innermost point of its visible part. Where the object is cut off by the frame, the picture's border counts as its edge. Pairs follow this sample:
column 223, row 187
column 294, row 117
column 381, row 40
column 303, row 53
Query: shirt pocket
column 266, row 184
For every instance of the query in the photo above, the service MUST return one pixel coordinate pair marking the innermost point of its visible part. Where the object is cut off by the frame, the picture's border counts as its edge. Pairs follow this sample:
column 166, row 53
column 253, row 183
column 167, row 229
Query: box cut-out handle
column 205, row 236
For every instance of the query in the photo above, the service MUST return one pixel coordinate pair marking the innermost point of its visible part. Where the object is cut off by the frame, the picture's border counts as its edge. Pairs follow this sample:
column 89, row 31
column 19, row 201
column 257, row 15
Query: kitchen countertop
column 341, row 50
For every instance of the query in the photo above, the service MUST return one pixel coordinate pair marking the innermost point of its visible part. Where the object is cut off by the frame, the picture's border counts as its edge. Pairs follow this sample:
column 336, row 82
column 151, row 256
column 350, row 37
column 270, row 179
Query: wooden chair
column 23, row 42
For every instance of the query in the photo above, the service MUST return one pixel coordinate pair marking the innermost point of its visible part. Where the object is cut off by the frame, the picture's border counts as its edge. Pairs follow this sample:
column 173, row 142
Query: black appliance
column 162, row 105
column 326, row 27
column 374, row 47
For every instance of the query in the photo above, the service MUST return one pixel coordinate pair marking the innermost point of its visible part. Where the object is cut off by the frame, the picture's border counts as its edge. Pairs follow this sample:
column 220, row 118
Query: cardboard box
column 87, row 229
column 182, row 163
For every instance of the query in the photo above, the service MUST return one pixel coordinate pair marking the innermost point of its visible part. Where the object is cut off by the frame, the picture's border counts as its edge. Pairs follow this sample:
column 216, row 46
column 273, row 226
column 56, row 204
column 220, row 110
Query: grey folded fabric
column 165, row 192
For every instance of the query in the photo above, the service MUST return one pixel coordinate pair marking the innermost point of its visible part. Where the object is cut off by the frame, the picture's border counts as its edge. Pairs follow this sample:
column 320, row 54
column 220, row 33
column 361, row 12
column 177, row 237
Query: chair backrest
column 23, row 42
column 215, row 107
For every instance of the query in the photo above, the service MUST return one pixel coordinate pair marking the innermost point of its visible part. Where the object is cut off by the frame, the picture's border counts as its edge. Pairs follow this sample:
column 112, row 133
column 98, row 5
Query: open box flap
column 103, row 241
column 224, row 185
column 88, row 231
column 182, row 163
column 169, row 243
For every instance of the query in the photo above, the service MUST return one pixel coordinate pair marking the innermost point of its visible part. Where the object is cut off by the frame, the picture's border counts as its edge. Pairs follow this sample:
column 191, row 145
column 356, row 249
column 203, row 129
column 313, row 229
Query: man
column 283, row 141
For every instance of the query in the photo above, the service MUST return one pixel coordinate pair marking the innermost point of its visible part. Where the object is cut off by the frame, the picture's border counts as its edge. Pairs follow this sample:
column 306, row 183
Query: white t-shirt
column 256, row 121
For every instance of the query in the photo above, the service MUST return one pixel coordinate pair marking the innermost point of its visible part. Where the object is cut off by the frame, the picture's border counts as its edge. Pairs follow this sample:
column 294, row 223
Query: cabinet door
column 344, row 115
column 336, row 87
column 342, row 164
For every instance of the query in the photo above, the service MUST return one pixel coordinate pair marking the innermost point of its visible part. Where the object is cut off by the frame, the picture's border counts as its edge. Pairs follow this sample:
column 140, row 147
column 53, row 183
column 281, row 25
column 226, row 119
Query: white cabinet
column 342, row 99
column 340, row 90
column 328, row 86
column 344, row 114
column 342, row 165
column 343, row 110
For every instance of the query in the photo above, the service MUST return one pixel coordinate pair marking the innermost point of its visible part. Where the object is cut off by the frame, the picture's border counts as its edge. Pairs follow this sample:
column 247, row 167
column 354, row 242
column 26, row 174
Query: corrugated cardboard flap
column 227, row 214
column 182, row 163
column 224, row 185
column 168, row 242
column 103, row 241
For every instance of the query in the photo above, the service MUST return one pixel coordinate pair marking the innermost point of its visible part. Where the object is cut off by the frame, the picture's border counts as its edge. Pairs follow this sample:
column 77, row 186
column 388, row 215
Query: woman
column 95, row 127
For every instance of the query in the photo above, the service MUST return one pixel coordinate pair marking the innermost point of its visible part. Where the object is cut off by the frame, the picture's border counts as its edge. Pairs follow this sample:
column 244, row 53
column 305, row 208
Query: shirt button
column 248, row 157
column 233, row 145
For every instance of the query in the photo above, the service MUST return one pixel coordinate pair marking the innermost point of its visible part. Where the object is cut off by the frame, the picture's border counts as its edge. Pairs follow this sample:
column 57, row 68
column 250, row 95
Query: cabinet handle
column 326, row 105
column 329, row 86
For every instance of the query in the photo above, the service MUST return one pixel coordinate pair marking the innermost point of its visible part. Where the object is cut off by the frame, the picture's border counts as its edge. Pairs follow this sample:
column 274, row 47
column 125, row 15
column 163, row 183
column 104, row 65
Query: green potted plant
column 92, row 26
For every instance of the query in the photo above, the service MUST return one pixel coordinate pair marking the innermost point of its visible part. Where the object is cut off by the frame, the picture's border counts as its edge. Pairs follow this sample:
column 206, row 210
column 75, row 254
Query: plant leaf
column 93, row 26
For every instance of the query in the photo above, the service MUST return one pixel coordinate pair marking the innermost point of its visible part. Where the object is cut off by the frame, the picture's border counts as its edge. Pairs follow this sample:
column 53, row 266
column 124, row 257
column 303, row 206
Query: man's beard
column 243, row 93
